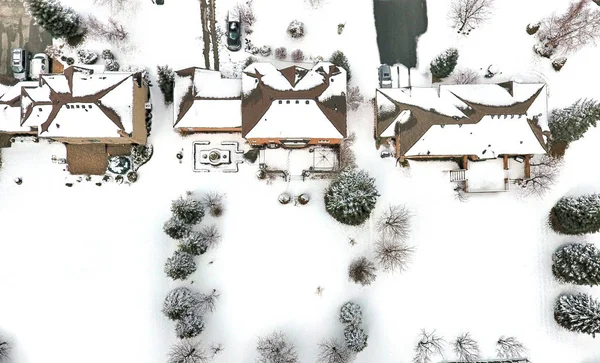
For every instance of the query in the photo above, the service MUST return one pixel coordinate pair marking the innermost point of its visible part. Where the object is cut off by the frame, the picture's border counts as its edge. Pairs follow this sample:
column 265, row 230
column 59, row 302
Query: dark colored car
column 234, row 40
column 385, row 76
column 160, row 2
column 20, row 63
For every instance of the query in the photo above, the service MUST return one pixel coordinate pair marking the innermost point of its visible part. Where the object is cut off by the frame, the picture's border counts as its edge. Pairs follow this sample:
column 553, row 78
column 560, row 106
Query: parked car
column 20, row 63
column 385, row 154
column 160, row 2
column 40, row 64
column 234, row 32
column 385, row 76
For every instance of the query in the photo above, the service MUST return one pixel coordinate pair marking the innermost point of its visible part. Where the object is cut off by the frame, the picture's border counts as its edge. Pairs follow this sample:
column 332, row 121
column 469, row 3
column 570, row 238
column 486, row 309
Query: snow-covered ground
column 81, row 268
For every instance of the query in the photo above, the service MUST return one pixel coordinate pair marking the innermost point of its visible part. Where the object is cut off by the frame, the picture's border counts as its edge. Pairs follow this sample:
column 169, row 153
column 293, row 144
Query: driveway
column 399, row 23
column 18, row 30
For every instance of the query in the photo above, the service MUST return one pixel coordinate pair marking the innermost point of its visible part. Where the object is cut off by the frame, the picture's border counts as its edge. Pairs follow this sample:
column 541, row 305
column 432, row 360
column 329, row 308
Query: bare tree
column 578, row 26
column 392, row 256
column 544, row 173
column 347, row 157
column 461, row 192
column 246, row 13
column 465, row 76
column 334, row 351
column 112, row 31
column 188, row 351
column 5, row 349
column 362, row 271
column 395, row 222
column 429, row 345
column 213, row 201
column 216, row 348
column 467, row 14
column 354, row 98
column 274, row 348
column 510, row 347
column 466, row 348
column 208, row 302
column 211, row 235
column 314, row 3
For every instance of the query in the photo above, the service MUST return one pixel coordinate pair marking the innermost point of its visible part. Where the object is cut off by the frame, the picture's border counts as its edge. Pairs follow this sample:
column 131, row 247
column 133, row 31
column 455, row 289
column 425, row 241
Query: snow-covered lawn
column 81, row 268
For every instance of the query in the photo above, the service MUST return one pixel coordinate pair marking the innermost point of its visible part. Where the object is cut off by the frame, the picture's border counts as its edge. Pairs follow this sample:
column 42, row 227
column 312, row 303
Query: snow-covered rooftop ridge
column 294, row 78
column 210, row 84
column 503, row 94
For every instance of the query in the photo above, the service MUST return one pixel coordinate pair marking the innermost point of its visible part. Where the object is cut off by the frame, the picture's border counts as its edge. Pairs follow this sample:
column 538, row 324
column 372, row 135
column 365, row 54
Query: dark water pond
column 399, row 23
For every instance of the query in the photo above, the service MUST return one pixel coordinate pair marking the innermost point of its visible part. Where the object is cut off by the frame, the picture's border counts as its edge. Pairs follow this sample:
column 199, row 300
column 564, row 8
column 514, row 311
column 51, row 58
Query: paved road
column 18, row 30
column 399, row 23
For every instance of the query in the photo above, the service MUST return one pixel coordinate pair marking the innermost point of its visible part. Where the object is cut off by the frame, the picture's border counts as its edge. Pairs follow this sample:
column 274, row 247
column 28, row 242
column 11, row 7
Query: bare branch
column 216, row 348
column 211, row 235
column 465, row 76
column 112, row 31
column 544, row 174
column 395, row 222
column 510, row 347
column 392, row 256
column 466, row 348
column 274, row 348
column 334, row 351
column 208, row 302
column 467, row 14
column 362, row 271
column 354, row 99
column 213, row 201
column 347, row 157
column 187, row 351
column 429, row 345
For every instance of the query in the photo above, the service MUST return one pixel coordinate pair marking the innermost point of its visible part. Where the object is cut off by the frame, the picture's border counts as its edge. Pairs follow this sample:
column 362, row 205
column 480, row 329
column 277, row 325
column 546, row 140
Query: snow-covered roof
column 213, row 114
column 76, row 104
column 487, row 139
column 10, row 107
column 294, row 119
column 465, row 119
column 203, row 99
column 284, row 94
column 402, row 118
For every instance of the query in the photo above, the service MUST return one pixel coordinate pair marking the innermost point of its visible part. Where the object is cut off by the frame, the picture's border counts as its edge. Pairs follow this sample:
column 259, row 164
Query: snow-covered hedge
column 579, row 313
column 351, row 197
column 576, row 215
column 577, row 263
column 296, row 29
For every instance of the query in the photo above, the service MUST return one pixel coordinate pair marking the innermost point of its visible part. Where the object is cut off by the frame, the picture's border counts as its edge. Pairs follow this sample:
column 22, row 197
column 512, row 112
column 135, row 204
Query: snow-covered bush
column 59, row 21
column 254, row 50
column 429, row 345
column 188, row 210
column 334, row 351
column 281, row 53
column 265, row 51
column 166, row 82
column 188, row 351
column 362, row 271
column 274, row 348
column 351, row 197
column 296, row 29
column 86, row 56
column 303, row 199
column 355, row 337
column 5, row 349
column 579, row 313
column 577, row 263
column 178, row 302
column 107, row 54
column 211, row 235
column 284, row 198
column 251, row 155
column 248, row 61
column 194, row 243
column 558, row 63
column 533, row 28
column 443, row 65
column 112, row 65
column 351, row 313
column 176, row 228
column 392, row 255
column 213, row 201
column 570, row 123
column 190, row 325
column 465, row 76
column 354, row 99
column 339, row 59
column 510, row 347
column 297, row 55
column 180, row 265
column 466, row 348
column 576, row 215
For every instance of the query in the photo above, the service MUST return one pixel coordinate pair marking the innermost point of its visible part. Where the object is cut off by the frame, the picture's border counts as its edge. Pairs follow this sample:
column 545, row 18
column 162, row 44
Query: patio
column 490, row 175
column 299, row 162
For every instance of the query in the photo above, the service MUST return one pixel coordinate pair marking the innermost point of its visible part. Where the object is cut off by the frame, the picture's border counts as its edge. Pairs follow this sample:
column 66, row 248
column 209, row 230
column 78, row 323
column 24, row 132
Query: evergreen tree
column 570, row 123
column 194, row 243
column 578, row 313
column 576, row 215
column 59, row 21
column 176, row 228
column 350, row 313
column 188, row 210
column 444, row 63
column 577, row 263
column 339, row 59
column 190, row 325
column 166, row 82
column 355, row 337
column 180, row 265
column 351, row 197
column 178, row 302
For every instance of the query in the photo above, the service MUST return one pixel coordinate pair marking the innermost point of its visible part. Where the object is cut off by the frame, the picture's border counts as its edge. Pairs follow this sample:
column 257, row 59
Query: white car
column 40, row 64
